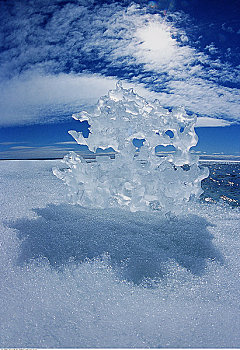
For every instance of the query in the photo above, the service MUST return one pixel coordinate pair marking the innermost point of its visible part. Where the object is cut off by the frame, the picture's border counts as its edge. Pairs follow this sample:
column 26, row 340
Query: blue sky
column 58, row 58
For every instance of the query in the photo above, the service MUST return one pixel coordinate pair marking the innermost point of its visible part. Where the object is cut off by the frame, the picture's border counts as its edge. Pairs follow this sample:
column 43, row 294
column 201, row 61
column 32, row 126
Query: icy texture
column 54, row 295
column 137, row 179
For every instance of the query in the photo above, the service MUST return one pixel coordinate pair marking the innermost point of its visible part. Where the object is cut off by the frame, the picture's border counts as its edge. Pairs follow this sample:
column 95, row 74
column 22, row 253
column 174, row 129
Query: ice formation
column 137, row 179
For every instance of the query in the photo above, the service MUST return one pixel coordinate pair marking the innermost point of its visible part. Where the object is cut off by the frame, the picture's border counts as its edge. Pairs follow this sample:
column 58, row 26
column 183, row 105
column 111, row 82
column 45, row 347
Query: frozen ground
column 72, row 277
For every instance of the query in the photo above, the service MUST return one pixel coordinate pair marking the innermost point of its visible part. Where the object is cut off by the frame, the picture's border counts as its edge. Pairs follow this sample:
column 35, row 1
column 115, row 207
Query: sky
column 59, row 57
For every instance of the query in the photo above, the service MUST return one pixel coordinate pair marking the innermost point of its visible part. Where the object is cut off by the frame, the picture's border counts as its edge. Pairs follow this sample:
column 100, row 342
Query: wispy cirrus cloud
column 66, row 143
column 20, row 147
column 9, row 143
column 65, row 44
column 34, row 152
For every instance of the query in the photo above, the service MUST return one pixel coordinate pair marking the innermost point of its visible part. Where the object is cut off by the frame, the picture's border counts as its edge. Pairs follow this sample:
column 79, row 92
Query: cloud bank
column 43, row 99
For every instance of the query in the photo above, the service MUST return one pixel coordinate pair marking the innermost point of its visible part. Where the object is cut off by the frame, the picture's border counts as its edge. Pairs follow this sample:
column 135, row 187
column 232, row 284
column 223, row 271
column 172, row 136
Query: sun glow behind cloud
column 165, row 50
column 161, row 52
column 157, row 44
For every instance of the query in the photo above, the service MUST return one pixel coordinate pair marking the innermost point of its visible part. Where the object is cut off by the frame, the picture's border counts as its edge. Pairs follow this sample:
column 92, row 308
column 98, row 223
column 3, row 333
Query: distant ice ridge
column 137, row 179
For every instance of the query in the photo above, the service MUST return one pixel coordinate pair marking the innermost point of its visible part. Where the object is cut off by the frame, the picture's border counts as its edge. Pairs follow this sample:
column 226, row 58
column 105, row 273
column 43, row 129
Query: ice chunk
column 137, row 179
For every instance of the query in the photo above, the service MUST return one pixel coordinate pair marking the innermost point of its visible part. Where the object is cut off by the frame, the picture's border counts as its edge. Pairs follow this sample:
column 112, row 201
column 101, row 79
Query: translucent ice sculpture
column 137, row 179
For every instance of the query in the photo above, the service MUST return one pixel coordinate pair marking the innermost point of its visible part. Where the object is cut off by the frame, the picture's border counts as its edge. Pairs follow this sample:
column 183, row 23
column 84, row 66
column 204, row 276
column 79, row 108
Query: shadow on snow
column 139, row 243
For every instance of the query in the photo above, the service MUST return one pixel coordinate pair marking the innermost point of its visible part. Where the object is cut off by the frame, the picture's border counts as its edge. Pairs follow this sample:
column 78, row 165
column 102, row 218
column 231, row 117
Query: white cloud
column 204, row 98
column 32, row 98
column 21, row 147
column 35, row 98
column 66, row 143
column 10, row 143
column 187, row 82
column 211, row 122
column 34, row 152
column 157, row 44
column 142, row 47
column 211, row 48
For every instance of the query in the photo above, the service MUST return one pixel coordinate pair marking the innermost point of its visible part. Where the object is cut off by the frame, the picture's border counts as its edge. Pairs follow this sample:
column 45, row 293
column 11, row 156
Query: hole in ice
column 84, row 128
column 168, row 148
column 138, row 142
column 105, row 150
column 170, row 134
column 182, row 129
column 185, row 167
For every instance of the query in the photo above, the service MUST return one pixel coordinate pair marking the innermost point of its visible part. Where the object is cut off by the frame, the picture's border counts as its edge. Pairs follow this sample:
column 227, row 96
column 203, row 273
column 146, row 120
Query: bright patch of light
column 157, row 43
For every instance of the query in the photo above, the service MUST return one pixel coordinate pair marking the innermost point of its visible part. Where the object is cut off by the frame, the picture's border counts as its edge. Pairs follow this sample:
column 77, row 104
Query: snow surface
column 75, row 277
